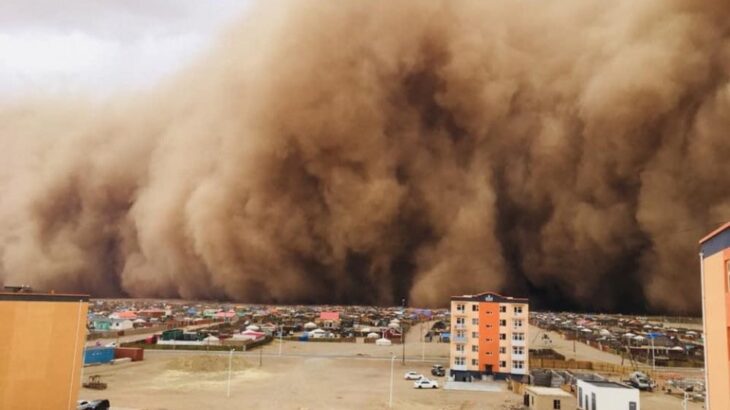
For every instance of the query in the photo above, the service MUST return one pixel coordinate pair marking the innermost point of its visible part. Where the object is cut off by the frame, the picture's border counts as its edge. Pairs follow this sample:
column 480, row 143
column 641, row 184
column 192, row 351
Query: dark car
column 92, row 405
column 438, row 370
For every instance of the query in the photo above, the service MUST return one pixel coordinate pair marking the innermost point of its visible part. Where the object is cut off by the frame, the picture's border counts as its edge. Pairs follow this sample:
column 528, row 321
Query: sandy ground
column 305, row 376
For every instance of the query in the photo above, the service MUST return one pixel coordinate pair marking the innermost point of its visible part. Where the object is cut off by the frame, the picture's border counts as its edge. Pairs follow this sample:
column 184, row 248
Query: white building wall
column 607, row 398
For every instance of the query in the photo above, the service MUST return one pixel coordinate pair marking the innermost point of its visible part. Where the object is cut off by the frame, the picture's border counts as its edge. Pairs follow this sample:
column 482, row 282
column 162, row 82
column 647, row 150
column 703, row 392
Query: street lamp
column 392, row 362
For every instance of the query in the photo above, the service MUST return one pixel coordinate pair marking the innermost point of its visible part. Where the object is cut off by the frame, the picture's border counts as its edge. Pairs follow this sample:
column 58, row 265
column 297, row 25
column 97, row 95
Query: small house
column 548, row 398
column 606, row 395
column 329, row 320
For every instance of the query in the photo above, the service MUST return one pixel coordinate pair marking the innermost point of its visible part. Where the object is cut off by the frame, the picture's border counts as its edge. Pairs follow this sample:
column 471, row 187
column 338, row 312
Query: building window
column 503, row 309
column 593, row 401
column 474, row 348
column 502, row 350
column 556, row 404
column 475, row 335
column 517, row 323
column 517, row 337
column 502, row 322
column 460, row 308
column 489, row 353
column 460, row 333
column 459, row 320
column 459, row 348
column 474, row 362
column 475, row 321
column 518, row 310
column 459, row 361
column 488, row 339
column 518, row 364
column 502, row 336
column 475, row 308
column 502, row 364
column 518, row 350
column 488, row 326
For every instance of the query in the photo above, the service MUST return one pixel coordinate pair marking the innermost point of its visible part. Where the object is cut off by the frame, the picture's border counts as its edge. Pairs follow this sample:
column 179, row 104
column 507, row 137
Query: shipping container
column 134, row 353
column 98, row 355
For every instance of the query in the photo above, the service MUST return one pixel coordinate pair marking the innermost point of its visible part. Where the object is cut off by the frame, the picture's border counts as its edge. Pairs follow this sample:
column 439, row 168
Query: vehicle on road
column 425, row 384
column 413, row 376
column 438, row 370
column 92, row 405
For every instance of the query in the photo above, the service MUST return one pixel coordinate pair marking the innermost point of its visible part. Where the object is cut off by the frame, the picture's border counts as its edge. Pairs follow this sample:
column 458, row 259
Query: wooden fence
column 602, row 367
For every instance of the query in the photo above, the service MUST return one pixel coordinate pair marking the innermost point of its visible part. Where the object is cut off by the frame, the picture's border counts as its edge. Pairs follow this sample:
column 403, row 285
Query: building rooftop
column 716, row 241
column 610, row 384
column 42, row 297
column 490, row 297
column 548, row 391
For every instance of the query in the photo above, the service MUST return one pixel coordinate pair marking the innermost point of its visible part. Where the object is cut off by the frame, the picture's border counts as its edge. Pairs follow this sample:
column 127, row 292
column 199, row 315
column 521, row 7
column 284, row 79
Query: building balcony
column 519, row 342
column 460, row 339
column 458, row 367
column 461, row 326
column 459, row 313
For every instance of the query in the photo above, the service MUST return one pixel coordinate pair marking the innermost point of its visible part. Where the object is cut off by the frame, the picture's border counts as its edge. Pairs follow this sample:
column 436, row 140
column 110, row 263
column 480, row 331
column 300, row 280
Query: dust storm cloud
column 357, row 152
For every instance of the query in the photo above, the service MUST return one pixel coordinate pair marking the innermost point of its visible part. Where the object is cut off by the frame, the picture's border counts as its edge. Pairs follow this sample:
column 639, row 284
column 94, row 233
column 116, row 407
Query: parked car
column 641, row 381
column 438, row 370
column 413, row 376
column 425, row 384
column 92, row 405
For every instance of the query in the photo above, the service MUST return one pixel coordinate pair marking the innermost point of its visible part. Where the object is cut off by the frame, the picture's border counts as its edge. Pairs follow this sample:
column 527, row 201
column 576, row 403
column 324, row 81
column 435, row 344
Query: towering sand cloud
column 357, row 152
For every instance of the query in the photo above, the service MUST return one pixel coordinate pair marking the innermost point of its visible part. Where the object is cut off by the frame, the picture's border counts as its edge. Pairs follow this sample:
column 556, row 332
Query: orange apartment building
column 41, row 350
column 715, row 268
column 488, row 336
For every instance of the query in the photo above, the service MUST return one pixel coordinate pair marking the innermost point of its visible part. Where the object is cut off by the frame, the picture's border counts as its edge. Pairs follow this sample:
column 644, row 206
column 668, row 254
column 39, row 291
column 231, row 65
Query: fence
column 149, row 329
column 542, row 363
column 223, row 347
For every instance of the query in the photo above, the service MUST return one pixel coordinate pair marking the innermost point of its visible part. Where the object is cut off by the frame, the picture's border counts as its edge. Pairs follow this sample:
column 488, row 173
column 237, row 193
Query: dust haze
column 358, row 152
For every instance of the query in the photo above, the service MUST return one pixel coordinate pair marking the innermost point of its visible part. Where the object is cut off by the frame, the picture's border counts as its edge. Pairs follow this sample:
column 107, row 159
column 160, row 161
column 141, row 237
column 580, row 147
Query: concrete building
column 606, row 395
column 41, row 350
column 715, row 268
column 488, row 336
column 548, row 398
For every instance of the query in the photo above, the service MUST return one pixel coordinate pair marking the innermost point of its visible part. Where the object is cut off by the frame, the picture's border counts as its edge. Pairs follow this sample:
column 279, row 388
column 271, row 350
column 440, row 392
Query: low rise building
column 548, row 398
column 606, row 395
column 489, row 336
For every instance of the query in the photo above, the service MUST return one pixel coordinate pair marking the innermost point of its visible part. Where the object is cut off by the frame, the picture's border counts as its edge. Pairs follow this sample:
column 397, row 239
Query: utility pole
column 403, row 331
column 281, row 339
column 390, row 399
column 261, row 356
column 230, row 368
column 423, row 344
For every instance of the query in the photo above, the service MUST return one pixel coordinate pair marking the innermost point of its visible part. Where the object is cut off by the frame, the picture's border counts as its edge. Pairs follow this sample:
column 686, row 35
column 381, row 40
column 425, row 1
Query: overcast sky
column 100, row 46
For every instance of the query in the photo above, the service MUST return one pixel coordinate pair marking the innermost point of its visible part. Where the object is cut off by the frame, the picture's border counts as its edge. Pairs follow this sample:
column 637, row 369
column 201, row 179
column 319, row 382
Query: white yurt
column 310, row 326
column 373, row 335
column 383, row 342
column 211, row 340
column 253, row 327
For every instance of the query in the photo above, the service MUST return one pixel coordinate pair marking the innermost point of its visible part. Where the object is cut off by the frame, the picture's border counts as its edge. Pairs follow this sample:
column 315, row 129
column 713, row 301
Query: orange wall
column 41, row 347
column 716, row 331
column 489, row 314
